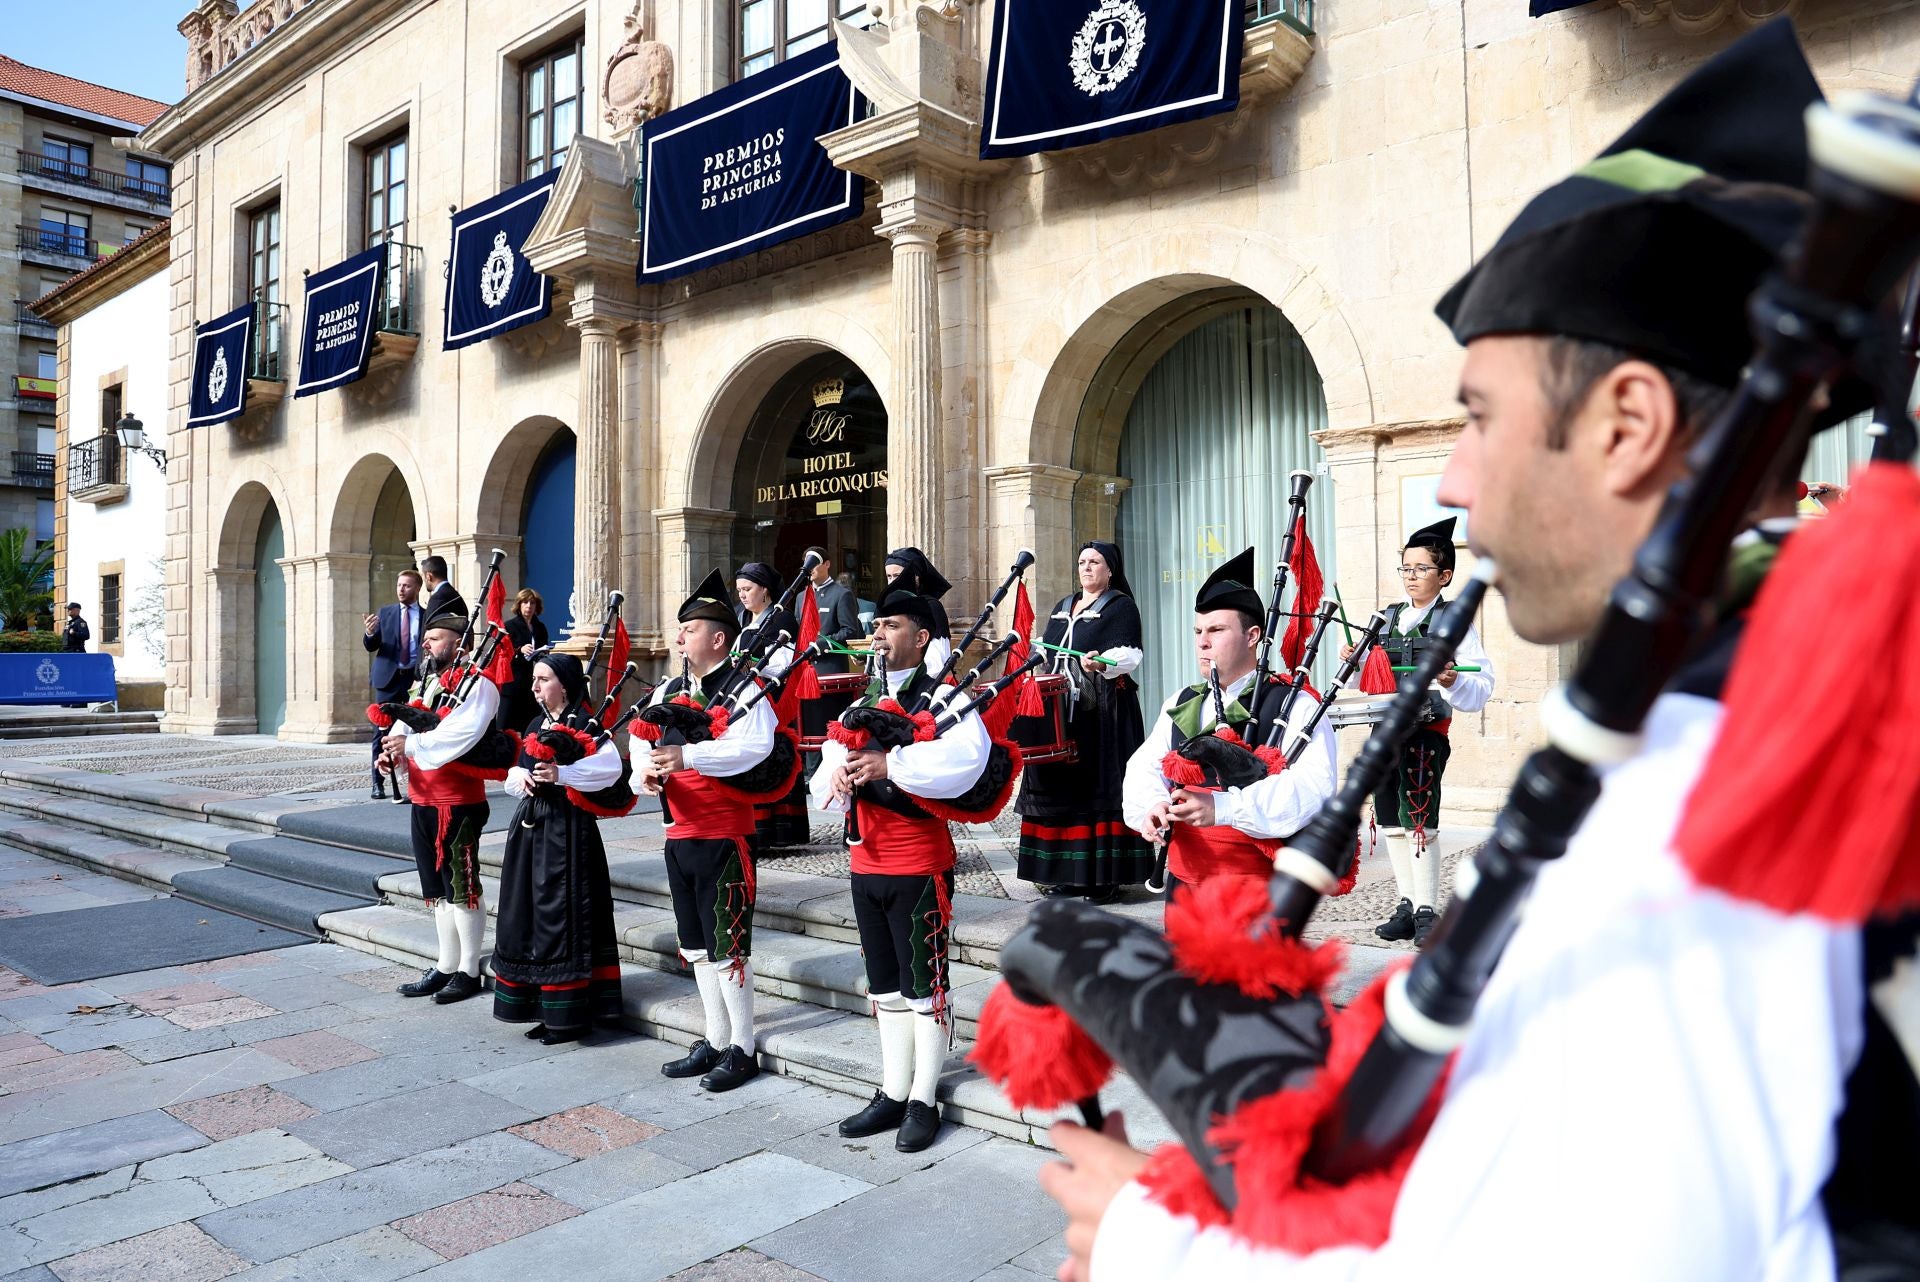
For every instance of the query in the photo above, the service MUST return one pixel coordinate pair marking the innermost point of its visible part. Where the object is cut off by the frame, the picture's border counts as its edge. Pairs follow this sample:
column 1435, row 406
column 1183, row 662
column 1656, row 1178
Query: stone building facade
column 1006, row 328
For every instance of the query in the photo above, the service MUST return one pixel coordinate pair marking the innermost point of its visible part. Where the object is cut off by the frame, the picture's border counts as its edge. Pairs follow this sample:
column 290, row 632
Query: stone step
column 836, row 1049
column 78, row 725
column 824, row 972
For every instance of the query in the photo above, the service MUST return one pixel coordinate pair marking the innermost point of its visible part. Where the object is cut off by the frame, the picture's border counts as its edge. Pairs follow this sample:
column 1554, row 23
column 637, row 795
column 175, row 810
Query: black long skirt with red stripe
column 1071, row 832
column 555, row 956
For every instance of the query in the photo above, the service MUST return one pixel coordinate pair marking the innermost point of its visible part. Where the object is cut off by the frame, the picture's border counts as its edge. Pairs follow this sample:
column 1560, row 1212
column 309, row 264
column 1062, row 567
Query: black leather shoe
column 1400, row 925
column 458, row 989
column 699, row 1058
column 1423, row 925
column 379, row 792
column 429, row 983
column 535, row 1033
column 736, row 1068
column 556, row 1036
column 919, row 1127
column 881, row 1114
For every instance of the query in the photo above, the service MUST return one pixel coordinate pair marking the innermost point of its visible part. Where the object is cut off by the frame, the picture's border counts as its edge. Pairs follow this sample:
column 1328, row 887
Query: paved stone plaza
column 285, row 1115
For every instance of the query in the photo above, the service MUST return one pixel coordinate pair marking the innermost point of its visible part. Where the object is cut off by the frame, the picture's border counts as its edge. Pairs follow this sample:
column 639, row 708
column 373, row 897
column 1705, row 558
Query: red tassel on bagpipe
column 1038, row 1055
column 1180, row 772
column 847, row 737
column 1268, row 1140
column 499, row 669
column 1376, row 677
column 1221, row 932
column 1821, row 813
column 379, row 716
column 617, row 663
column 1308, row 589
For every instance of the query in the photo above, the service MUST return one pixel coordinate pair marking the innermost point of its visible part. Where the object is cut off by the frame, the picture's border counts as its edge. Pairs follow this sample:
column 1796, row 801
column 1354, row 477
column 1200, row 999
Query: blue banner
column 742, row 169
column 220, row 349
column 490, row 287
column 336, row 333
column 1541, row 8
column 56, row 678
column 1065, row 73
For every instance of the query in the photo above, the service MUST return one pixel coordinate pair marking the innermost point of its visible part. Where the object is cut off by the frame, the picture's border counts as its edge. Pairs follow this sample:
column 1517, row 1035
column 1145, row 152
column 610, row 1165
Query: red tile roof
column 81, row 95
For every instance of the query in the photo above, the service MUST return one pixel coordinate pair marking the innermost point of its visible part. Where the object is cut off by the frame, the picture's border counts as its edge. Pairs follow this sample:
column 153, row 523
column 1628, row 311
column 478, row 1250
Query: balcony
column 57, row 246
column 32, row 471
column 29, row 322
column 1297, row 14
column 96, row 471
column 69, row 178
column 397, row 313
column 267, row 358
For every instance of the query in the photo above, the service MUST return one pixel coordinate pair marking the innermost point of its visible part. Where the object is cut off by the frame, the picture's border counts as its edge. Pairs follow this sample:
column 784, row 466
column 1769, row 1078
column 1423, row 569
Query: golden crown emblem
column 829, row 391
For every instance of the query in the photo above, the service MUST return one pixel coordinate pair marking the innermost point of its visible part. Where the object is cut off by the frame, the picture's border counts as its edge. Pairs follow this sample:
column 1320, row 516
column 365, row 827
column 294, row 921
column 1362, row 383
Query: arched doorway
column 1219, row 398
column 546, row 530
column 812, row 470
column 390, row 539
column 270, row 625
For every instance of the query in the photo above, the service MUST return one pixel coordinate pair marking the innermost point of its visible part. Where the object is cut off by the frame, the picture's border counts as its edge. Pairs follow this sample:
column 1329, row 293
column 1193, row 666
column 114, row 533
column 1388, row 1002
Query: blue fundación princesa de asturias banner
column 220, row 350
column 336, row 332
column 1065, row 73
column 56, row 678
column 742, row 169
column 491, row 288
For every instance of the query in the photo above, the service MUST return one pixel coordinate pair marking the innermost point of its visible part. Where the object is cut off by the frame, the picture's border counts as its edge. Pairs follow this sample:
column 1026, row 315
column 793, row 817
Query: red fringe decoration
column 598, row 811
column 537, row 749
column 847, row 737
column 488, row 774
column 1271, row 757
column 1821, row 814
column 769, row 795
column 1179, row 772
column 1037, row 1055
column 645, row 730
column 1231, row 735
column 1376, row 676
column 1279, row 1206
column 379, row 716
column 719, row 719
column 1353, row 872
column 991, row 809
column 1221, row 932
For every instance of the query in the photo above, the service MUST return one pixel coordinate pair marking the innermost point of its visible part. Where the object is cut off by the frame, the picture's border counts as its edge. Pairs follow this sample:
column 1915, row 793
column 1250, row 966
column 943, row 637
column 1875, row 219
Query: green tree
column 26, row 579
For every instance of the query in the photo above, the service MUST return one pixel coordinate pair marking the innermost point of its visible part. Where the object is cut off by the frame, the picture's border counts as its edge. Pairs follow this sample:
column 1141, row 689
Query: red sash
column 1194, row 854
column 701, row 810
column 896, row 845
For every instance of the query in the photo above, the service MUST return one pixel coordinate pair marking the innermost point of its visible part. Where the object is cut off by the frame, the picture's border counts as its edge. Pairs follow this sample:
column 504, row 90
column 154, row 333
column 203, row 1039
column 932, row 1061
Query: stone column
column 596, row 476
column 342, row 663
column 915, row 468
column 231, row 642
column 1032, row 507
column 693, row 540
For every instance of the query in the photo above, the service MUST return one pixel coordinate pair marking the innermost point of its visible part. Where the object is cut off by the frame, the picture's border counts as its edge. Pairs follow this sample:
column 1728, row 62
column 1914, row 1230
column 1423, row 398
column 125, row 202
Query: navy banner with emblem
column 220, row 349
column 491, row 288
column 1541, row 8
column 741, row 169
column 1065, row 73
column 336, row 333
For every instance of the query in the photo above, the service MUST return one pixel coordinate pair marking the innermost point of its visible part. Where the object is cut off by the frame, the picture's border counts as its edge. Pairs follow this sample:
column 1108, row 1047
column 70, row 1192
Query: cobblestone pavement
column 337, row 1130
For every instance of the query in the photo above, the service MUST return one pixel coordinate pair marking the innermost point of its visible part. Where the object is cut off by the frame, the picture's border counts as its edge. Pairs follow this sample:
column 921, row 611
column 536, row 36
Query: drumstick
column 1342, row 616
column 1458, row 667
column 1076, row 654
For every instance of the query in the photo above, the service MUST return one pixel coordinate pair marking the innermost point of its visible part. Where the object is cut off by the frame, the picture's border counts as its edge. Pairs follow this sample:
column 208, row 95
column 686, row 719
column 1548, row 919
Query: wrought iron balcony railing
column 60, row 169
column 399, row 306
column 25, row 319
column 268, row 358
column 99, row 461
column 34, row 471
column 71, row 241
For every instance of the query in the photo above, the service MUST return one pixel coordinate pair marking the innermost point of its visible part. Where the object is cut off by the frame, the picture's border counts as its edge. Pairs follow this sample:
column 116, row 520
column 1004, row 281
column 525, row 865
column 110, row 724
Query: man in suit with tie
column 393, row 639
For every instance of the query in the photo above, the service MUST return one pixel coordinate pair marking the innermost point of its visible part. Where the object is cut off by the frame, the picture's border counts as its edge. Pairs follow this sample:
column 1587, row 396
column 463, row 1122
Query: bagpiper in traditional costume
column 710, row 870
column 783, row 821
column 903, row 857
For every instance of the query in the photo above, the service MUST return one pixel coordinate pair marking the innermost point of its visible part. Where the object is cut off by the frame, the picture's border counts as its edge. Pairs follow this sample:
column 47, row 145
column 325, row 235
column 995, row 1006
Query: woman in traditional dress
column 527, row 635
column 555, row 960
column 777, row 824
column 1072, row 838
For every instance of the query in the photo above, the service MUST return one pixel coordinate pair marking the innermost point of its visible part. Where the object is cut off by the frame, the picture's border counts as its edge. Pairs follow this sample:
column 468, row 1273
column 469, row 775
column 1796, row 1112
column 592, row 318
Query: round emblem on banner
column 217, row 376
column 1108, row 47
column 496, row 278
column 48, row 673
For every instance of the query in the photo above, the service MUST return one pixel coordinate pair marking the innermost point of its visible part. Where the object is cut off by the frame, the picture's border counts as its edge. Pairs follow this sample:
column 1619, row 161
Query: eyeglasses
column 1415, row 571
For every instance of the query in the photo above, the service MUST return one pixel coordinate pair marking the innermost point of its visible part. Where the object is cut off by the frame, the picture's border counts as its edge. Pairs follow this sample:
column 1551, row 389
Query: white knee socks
column 1400, row 854
column 897, row 1046
column 470, row 926
column 449, row 938
column 736, row 988
column 1426, row 874
column 929, row 1057
column 707, row 979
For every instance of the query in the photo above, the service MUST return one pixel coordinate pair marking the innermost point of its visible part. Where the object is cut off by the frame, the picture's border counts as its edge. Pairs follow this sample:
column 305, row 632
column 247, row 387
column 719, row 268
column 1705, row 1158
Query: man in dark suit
column 839, row 616
column 393, row 639
column 435, row 591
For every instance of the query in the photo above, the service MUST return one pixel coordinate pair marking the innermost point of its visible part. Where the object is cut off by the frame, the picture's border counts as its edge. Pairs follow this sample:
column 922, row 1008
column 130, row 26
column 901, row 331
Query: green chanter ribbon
column 1076, row 654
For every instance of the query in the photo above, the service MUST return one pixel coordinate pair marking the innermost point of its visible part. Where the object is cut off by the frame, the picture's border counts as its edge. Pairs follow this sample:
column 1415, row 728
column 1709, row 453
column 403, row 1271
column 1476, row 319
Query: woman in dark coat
column 527, row 635
column 556, row 962
column 1072, row 838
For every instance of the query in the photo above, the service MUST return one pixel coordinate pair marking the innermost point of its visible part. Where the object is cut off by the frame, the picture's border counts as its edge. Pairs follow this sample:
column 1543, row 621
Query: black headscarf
column 1110, row 553
column 573, row 678
column 759, row 572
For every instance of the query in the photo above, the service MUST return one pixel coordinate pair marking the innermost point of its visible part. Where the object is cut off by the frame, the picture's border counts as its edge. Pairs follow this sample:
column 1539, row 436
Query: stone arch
column 245, row 507
column 705, row 480
column 1128, row 283
column 501, row 497
column 349, row 525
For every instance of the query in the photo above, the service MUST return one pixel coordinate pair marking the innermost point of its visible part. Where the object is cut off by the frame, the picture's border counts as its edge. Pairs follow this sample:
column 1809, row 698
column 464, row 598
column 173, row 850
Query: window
column 110, row 401
column 109, row 609
column 386, row 174
column 43, row 520
column 770, row 31
column 553, row 99
column 263, row 253
column 148, row 178
column 64, row 233
column 46, row 364
column 65, row 159
column 43, row 436
column 134, row 231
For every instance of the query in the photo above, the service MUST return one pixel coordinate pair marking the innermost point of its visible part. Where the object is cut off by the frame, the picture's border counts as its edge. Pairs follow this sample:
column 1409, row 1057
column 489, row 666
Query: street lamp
column 133, row 436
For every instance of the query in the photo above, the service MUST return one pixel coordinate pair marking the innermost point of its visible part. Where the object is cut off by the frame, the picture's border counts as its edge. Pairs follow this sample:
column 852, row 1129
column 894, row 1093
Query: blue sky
column 132, row 45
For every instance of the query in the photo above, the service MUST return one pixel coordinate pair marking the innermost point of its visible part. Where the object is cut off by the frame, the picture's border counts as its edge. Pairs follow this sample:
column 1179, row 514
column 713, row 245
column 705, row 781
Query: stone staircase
column 64, row 723
column 344, row 873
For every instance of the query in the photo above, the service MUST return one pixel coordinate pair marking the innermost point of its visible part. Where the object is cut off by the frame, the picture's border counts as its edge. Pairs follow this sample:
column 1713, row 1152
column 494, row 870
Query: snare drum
column 1044, row 738
column 1356, row 708
column 838, row 692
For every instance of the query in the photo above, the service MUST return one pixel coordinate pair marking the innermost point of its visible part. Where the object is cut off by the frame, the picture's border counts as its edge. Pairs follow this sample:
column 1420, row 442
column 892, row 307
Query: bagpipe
column 568, row 740
column 497, row 750
column 687, row 718
column 1300, row 1123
